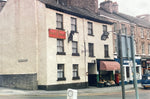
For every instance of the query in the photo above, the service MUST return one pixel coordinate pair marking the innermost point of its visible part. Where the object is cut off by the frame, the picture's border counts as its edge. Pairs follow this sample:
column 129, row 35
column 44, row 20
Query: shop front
column 145, row 62
column 108, row 73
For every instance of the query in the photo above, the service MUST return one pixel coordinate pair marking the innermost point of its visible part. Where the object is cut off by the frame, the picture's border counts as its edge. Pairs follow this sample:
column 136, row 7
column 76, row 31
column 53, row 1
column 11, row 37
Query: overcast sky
column 133, row 7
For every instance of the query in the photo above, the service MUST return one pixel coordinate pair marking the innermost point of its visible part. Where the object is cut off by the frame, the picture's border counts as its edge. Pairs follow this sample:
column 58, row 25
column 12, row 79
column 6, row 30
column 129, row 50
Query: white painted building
column 37, row 47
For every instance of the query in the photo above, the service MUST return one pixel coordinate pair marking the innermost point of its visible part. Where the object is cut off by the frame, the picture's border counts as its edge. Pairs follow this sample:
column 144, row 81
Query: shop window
column 60, row 72
column 91, row 49
column 75, row 72
column 59, row 21
column 75, row 48
column 106, row 51
column 90, row 28
column 128, row 72
column 60, row 47
column 137, row 70
column 73, row 24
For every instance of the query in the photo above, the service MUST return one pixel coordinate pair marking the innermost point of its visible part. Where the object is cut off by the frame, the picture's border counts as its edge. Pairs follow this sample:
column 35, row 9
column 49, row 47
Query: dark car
column 145, row 81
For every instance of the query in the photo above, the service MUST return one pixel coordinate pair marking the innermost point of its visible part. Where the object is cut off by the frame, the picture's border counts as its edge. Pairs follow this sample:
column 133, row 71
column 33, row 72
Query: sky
column 133, row 7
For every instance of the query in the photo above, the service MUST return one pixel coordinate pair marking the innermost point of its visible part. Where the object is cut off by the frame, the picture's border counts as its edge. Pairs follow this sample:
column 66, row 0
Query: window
column 123, row 29
column 90, row 28
column 115, row 27
column 137, row 69
column 104, row 28
column 142, row 33
column 91, row 50
column 106, row 51
column 143, row 49
column 148, row 35
column 128, row 72
column 149, row 49
column 59, row 21
column 75, row 48
column 60, row 46
column 132, row 30
column 73, row 24
column 116, row 46
column 75, row 72
column 60, row 72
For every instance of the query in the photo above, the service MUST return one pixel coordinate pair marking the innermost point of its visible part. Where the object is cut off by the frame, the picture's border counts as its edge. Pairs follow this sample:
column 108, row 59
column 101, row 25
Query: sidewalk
column 81, row 92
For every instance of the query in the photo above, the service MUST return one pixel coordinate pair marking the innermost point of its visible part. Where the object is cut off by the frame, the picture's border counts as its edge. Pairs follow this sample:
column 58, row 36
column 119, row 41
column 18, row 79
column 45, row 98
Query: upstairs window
column 149, row 49
column 59, row 21
column 60, row 46
column 104, row 28
column 123, row 29
column 132, row 30
column 73, row 24
column 75, row 48
column 143, row 48
column 91, row 49
column 142, row 33
column 106, row 51
column 90, row 28
column 148, row 34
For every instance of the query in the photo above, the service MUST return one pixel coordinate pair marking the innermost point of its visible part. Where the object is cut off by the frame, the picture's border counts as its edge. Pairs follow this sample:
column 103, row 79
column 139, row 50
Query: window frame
column 106, row 51
column 59, row 21
column 91, row 49
column 61, row 72
column 90, row 28
column 75, row 72
column 142, row 33
column 74, row 24
column 61, row 47
column 75, row 48
column 143, row 48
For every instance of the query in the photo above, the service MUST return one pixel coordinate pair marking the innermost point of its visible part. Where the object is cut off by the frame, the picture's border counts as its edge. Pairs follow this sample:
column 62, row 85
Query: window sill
column 75, row 78
column 107, row 56
column 90, row 34
column 60, row 29
column 92, row 56
column 61, row 79
column 75, row 54
column 61, row 53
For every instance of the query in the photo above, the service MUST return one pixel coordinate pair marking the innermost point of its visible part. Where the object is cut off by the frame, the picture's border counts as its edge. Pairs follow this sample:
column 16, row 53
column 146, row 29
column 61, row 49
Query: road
column 143, row 94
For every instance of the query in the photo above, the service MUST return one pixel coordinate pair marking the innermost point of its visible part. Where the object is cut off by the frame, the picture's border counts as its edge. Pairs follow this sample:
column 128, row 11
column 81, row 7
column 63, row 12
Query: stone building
column 47, row 45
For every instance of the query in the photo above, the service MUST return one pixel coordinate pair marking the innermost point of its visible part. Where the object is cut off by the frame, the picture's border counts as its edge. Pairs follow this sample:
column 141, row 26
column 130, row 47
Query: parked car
column 146, row 80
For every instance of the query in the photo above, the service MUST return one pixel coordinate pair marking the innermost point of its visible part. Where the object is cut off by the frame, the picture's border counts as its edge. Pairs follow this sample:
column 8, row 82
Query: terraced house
column 53, row 44
column 129, row 25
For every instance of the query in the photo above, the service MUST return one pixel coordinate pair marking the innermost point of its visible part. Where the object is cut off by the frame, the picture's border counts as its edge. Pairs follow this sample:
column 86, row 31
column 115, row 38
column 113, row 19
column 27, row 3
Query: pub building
column 54, row 45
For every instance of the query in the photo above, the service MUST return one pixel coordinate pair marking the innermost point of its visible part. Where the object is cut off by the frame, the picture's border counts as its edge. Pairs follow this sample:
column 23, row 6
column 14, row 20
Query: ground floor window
column 60, row 72
column 128, row 72
column 75, row 72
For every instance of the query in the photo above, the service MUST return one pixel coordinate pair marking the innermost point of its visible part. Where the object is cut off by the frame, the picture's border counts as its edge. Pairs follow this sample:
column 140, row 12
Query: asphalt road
column 143, row 94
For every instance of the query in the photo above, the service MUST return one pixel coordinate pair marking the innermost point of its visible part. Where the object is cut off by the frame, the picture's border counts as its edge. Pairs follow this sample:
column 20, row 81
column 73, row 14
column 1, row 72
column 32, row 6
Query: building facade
column 48, row 45
column 128, row 25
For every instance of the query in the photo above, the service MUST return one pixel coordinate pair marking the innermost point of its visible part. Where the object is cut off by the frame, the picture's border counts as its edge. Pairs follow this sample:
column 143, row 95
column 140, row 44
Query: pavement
column 81, row 92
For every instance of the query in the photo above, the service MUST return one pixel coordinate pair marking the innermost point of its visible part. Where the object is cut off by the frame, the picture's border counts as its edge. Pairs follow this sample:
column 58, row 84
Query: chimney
column 109, row 6
column 91, row 5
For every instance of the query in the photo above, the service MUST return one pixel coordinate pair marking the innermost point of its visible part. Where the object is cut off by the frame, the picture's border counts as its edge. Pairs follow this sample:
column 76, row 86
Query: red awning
column 109, row 65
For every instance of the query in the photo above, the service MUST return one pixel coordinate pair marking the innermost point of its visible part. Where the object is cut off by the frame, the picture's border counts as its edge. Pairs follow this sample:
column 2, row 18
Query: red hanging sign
column 57, row 33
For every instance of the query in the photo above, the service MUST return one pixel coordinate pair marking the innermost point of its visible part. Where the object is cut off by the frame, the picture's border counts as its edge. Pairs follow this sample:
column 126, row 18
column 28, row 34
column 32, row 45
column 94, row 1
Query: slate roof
column 135, row 20
column 111, row 15
column 125, row 17
column 76, row 11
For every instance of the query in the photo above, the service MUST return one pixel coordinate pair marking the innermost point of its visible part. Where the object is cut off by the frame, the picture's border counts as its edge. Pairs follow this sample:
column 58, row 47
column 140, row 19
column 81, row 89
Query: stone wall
column 20, row 81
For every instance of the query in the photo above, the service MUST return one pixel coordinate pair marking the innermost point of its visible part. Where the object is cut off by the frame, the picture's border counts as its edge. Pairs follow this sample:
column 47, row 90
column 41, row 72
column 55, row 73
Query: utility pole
column 121, row 63
column 134, row 67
